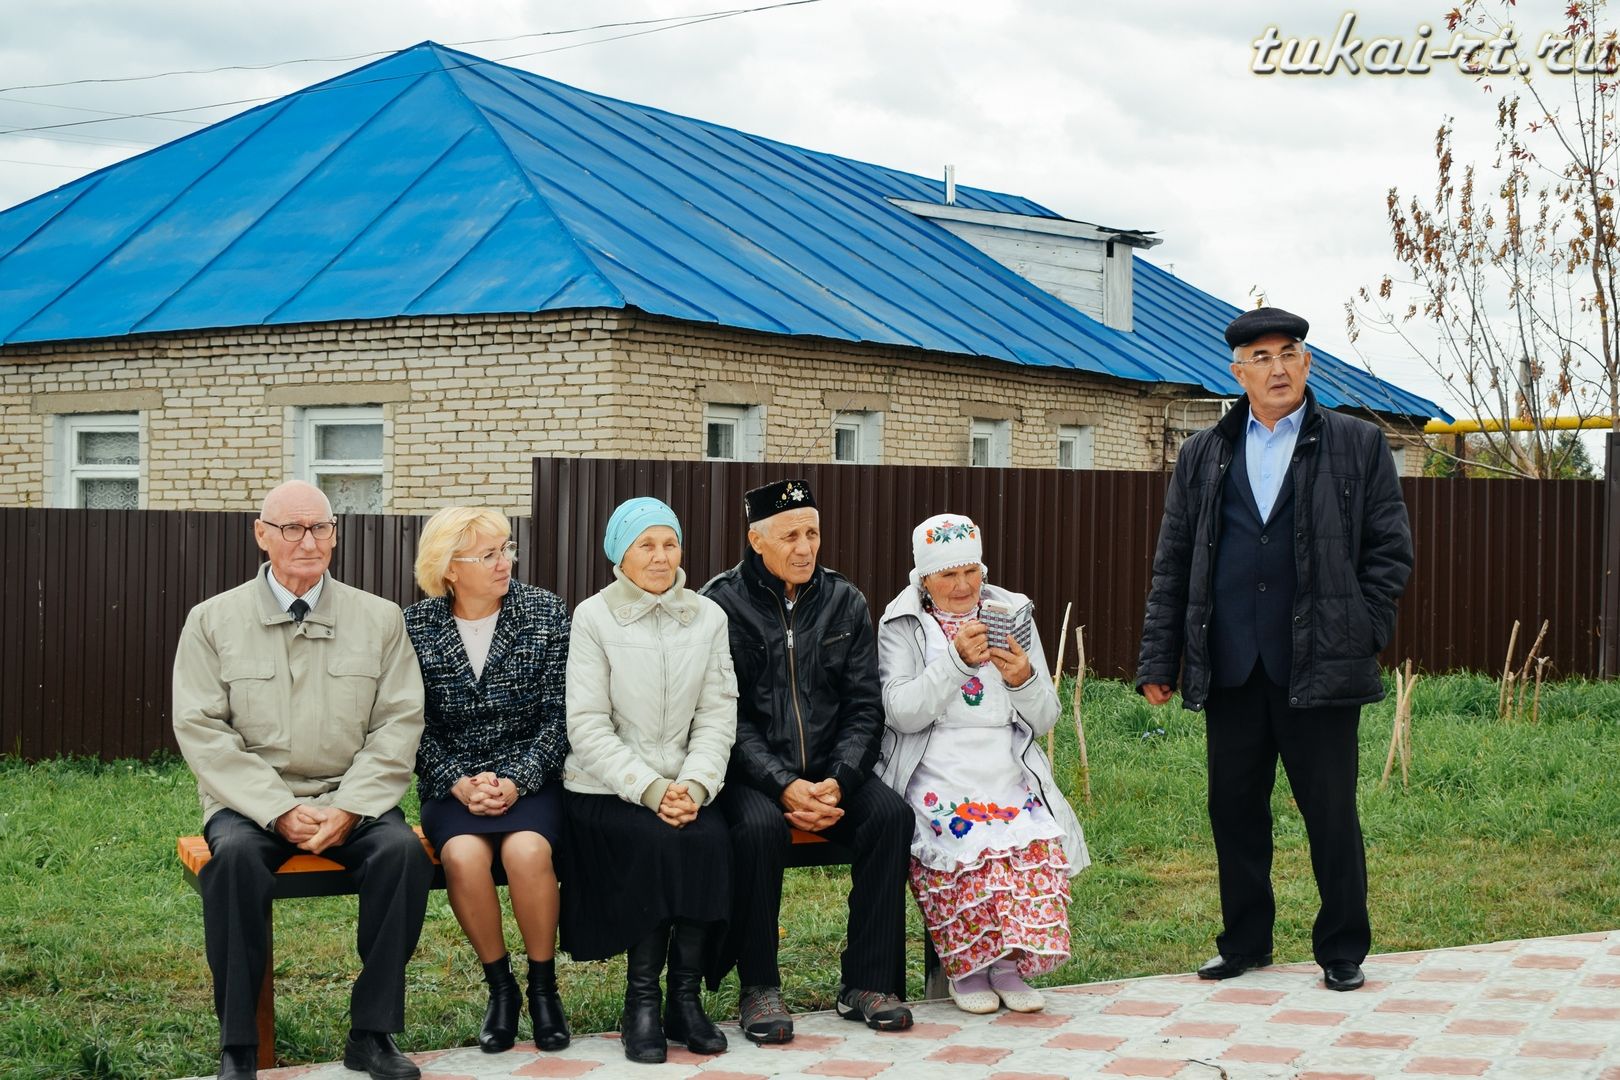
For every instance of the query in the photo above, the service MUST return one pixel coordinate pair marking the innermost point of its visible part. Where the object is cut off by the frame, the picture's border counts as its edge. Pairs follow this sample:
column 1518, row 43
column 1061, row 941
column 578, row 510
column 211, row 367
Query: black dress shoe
column 374, row 1053
column 1343, row 975
column 1230, row 967
column 238, row 1062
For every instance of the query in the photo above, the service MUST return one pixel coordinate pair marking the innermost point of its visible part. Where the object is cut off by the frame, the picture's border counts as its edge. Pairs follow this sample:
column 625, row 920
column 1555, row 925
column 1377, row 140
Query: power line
column 166, row 113
column 701, row 16
column 47, row 164
column 79, row 108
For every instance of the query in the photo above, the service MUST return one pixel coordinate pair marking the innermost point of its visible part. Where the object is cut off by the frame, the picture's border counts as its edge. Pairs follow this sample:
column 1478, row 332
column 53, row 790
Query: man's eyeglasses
column 507, row 551
column 1261, row 361
column 294, row 532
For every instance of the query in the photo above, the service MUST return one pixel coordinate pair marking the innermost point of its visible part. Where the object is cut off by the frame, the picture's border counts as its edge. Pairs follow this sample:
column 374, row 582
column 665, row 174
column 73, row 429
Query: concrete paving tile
column 1375, row 1040
column 1307, row 1017
column 1447, row 1066
column 1473, row 1025
column 969, row 1055
column 1255, row 1052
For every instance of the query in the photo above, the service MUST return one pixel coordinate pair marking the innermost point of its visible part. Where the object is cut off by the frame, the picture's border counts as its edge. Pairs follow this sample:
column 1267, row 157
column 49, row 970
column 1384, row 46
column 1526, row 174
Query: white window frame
column 71, row 475
column 997, row 438
column 1399, row 454
column 310, row 419
column 867, row 431
column 1083, row 440
column 748, row 430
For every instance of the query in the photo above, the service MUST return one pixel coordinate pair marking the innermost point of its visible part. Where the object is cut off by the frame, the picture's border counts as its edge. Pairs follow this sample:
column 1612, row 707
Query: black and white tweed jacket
column 512, row 721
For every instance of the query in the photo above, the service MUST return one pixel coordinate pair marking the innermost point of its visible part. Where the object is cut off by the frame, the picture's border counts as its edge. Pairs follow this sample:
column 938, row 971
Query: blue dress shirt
column 1269, row 452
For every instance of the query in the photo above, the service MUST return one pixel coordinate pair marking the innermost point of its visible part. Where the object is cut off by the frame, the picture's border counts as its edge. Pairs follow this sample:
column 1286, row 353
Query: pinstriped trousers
column 876, row 828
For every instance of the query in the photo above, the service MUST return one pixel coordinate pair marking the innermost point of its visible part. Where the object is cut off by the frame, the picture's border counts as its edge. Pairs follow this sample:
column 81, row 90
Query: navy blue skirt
column 539, row 811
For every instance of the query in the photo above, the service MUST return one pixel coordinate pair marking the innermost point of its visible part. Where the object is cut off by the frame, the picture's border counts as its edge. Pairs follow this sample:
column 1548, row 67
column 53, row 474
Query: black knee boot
column 640, row 1028
column 501, row 1018
column 545, row 1006
column 684, row 1019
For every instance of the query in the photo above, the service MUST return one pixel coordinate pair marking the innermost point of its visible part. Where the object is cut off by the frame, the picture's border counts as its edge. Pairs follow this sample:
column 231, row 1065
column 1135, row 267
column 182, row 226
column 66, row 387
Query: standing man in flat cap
column 808, row 723
column 1283, row 549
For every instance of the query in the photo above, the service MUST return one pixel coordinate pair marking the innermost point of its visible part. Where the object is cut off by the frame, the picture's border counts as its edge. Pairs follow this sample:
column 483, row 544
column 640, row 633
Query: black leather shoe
column 238, row 1062
column 546, row 1007
column 1230, row 967
column 501, row 1017
column 1343, row 975
column 374, row 1053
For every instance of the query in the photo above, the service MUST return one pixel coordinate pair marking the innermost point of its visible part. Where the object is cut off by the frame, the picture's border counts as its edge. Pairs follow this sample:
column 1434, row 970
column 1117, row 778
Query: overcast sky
column 1144, row 115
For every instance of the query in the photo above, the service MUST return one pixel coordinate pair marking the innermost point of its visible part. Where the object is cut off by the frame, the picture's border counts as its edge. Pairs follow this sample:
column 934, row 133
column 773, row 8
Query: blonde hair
column 446, row 533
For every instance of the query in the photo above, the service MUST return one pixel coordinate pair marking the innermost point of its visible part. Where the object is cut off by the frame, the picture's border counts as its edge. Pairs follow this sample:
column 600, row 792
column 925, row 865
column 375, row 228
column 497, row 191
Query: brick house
column 407, row 281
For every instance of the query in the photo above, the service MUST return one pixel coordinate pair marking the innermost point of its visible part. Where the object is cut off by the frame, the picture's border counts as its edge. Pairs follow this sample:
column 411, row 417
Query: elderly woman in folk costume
column 995, row 840
column 652, row 714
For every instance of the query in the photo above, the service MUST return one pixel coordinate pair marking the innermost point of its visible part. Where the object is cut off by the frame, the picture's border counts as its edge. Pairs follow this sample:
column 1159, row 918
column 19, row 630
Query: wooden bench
column 314, row 875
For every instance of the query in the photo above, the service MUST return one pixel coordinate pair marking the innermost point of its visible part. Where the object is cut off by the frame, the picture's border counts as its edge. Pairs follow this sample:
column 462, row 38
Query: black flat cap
column 772, row 499
column 1253, row 325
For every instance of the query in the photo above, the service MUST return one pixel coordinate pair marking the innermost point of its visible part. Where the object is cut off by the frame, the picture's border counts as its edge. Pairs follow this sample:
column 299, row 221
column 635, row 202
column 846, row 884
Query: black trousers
column 393, row 872
column 876, row 827
column 1249, row 728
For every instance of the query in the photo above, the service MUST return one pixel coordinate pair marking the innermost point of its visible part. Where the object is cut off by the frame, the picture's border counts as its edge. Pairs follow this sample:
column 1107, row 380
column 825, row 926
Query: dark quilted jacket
column 511, row 721
column 1352, row 556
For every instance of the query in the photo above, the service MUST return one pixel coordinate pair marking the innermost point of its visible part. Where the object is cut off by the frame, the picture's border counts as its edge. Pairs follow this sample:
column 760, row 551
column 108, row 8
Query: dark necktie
column 298, row 609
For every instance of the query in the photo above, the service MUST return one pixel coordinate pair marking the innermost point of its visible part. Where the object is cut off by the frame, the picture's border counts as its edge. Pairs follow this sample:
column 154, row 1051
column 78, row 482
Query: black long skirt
column 624, row 871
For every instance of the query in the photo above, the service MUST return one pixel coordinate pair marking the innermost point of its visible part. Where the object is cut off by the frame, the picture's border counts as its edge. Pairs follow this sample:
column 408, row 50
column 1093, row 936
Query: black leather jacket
column 810, row 703
column 1352, row 556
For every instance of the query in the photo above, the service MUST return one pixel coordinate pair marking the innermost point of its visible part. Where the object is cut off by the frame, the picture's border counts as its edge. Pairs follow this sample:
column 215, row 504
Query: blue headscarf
column 630, row 520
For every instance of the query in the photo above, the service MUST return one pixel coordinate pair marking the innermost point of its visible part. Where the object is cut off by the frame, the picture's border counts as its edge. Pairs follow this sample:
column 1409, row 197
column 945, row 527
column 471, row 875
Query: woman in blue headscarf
column 652, row 713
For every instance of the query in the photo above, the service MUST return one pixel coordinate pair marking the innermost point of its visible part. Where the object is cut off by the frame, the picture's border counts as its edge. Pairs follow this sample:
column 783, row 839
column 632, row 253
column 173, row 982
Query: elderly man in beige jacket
column 298, row 705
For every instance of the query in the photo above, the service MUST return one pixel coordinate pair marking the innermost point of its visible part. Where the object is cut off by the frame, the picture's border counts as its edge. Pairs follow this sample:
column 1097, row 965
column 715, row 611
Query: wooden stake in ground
column 1400, row 735
column 1079, row 726
column 1403, row 722
column 1535, row 702
column 1524, row 673
column 1057, row 672
column 1507, row 674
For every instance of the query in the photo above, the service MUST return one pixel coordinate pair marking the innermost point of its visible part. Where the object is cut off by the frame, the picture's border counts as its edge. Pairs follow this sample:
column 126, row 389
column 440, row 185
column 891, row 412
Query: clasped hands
column 486, row 794
column 973, row 646
column 677, row 807
column 812, row 807
column 315, row 828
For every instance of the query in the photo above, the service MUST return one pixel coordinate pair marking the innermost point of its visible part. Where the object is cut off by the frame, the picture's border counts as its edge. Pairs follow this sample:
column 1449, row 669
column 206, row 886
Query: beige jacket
column 270, row 713
column 651, row 695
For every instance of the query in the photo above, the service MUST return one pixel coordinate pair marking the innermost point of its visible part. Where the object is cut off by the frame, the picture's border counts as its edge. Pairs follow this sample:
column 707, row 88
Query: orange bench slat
column 194, row 854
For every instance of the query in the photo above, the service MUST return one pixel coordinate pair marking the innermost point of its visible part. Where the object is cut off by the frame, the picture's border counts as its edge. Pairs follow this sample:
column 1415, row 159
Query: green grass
column 1507, row 831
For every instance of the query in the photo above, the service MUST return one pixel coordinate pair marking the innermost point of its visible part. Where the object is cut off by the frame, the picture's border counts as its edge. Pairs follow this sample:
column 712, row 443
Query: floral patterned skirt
column 1007, row 903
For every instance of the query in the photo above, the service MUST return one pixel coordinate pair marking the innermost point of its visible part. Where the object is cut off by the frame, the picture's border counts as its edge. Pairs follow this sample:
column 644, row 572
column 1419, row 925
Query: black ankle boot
column 501, row 1018
column 545, row 1006
column 684, row 1018
column 640, row 1028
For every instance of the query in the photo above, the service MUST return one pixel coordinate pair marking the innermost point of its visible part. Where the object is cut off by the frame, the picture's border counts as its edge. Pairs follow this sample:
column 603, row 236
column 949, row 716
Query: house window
column 1399, row 454
column 990, row 444
column 857, row 438
column 1076, row 446
column 101, row 461
column 341, row 452
column 733, row 432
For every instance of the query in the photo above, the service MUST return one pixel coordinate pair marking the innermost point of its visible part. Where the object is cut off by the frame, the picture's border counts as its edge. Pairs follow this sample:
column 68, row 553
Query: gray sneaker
column 875, row 1009
column 762, row 1015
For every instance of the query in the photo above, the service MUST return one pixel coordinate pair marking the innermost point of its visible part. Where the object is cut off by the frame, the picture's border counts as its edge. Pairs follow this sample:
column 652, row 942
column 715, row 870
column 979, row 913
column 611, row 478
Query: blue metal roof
column 433, row 182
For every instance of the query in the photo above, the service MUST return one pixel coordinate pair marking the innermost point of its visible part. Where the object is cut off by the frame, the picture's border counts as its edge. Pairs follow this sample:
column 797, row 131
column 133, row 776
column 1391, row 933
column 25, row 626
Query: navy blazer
column 511, row 721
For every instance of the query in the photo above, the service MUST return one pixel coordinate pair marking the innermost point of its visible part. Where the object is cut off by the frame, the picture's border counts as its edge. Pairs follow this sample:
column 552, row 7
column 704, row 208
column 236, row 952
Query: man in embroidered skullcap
column 808, row 724
column 1283, row 549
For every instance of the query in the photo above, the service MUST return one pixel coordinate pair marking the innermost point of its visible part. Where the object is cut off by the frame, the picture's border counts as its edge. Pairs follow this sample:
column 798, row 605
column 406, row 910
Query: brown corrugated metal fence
column 94, row 600
column 1487, row 551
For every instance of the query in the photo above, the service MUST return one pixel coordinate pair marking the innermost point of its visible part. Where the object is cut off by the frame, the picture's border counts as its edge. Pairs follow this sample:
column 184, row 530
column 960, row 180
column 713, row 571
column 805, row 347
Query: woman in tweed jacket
column 493, row 653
